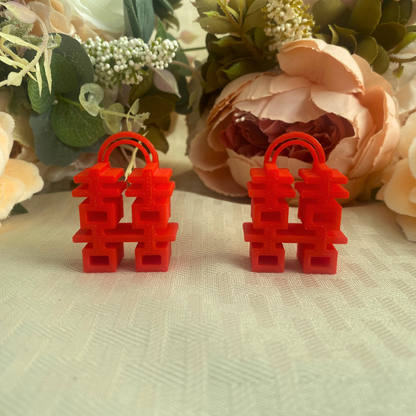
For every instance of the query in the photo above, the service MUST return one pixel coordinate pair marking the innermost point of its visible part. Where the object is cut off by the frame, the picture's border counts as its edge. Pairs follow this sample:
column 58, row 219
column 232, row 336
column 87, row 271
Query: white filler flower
column 288, row 22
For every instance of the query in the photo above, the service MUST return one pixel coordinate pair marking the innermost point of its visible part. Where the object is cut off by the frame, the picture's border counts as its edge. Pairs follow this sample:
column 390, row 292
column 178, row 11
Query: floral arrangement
column 341, row 71
column 75, row 71
column 69, row 80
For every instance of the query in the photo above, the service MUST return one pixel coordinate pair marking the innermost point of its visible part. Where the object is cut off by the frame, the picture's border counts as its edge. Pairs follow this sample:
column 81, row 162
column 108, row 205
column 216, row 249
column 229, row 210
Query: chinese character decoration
column 100, row 213
column 319, row 212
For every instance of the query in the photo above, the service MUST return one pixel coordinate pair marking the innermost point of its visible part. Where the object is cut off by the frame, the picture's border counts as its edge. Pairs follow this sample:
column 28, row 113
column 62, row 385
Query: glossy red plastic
column 102, row 210
column 319, row 212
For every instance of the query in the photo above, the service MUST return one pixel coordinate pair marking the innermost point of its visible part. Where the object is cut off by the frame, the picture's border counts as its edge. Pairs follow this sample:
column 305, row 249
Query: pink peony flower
column 399, row 189
column 323, row 91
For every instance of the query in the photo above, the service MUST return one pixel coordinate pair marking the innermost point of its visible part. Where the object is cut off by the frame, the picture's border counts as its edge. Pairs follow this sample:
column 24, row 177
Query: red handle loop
column 290, row 139
column 114, row 141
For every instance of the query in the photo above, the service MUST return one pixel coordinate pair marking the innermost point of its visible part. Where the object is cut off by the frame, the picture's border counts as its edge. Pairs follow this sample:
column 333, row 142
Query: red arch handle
column 290, row 139
column 120, row 138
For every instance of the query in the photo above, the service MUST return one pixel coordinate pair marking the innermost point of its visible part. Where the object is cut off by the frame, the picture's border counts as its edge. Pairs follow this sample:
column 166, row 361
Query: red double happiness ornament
column 319, row 212
column 102, row 210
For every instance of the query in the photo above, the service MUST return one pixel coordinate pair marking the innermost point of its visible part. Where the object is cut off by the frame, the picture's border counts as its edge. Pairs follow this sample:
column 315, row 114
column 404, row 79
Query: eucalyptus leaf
column 388, row 35
column 216, row 26
column 156, row 136
column 48, row 148
column 41, row 102
column 75, row 55
column 158, row 108
column 134, row 109
column 382, row 62
column 327, row 11
column 90, row 98
column 114, row 121
column 64, row 78
column 365, row 16
column 131, row 23
column 165, row 81
column 75, row 127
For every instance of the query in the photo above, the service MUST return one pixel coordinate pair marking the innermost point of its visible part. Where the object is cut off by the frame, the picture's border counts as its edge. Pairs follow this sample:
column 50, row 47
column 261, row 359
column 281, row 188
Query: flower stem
column 200, row 48
column 402, row 60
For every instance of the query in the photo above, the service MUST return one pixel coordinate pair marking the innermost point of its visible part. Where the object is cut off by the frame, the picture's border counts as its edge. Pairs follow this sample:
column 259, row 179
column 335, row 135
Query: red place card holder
column 100, row 213
column 319, row 212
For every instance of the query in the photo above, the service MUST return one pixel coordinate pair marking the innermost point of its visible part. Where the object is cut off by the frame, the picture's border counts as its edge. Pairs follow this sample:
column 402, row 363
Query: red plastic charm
column 319, row 212
column 101, row 212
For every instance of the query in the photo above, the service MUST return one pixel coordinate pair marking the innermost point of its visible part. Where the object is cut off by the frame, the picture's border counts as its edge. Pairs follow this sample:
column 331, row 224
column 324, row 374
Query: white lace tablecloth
column 209, row 337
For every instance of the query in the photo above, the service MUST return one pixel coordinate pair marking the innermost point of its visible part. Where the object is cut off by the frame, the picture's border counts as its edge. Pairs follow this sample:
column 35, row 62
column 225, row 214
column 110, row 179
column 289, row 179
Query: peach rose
column 19, row 180
column 323, row 91
column 399, row 191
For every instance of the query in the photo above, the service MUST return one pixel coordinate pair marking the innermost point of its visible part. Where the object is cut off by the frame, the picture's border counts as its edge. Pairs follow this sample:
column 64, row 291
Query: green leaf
column 165, row 81
column 48, row 148
column 256, row 19
column 131, row 23
column 241, row 68
column 367, row 48
column 18, row 209
column 406, row 8
column 75, row 127
column 256, row 5
column 260, row 38
column 326, row 11
column 141, row 89
column 381, row 63
column 343, row 32
column 156, row 136
column 350, row 43
column 335, row 37
column 74, row 53
column 64, row 78
column 411, row 29
column 181, row 106
column 390, row 12
column 216, row 26
column 388, row 35
column 158, row 107
column 227, row 41
column 365, row 16
column 323, row 36
column 205, row 6
column 44, row 101
column 406, row 41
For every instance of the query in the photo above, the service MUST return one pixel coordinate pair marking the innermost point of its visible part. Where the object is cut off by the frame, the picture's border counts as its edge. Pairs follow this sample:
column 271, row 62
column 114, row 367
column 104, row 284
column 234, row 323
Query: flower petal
column 221, row 181
column 323, row 64
column 408, row 225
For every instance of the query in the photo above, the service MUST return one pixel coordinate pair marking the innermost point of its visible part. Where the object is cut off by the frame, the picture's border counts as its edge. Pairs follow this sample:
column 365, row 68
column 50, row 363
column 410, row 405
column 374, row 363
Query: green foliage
column 61, row 127
column 372, row 29
column 139, row 16
column 235, row 41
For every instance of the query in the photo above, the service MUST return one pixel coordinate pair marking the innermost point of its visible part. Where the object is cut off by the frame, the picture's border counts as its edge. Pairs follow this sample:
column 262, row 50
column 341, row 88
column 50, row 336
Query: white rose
column 106, row 15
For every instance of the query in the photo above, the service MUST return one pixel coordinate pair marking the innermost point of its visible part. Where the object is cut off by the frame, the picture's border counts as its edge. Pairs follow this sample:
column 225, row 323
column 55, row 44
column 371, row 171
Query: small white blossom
column 288, row 21
column 120, row 61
